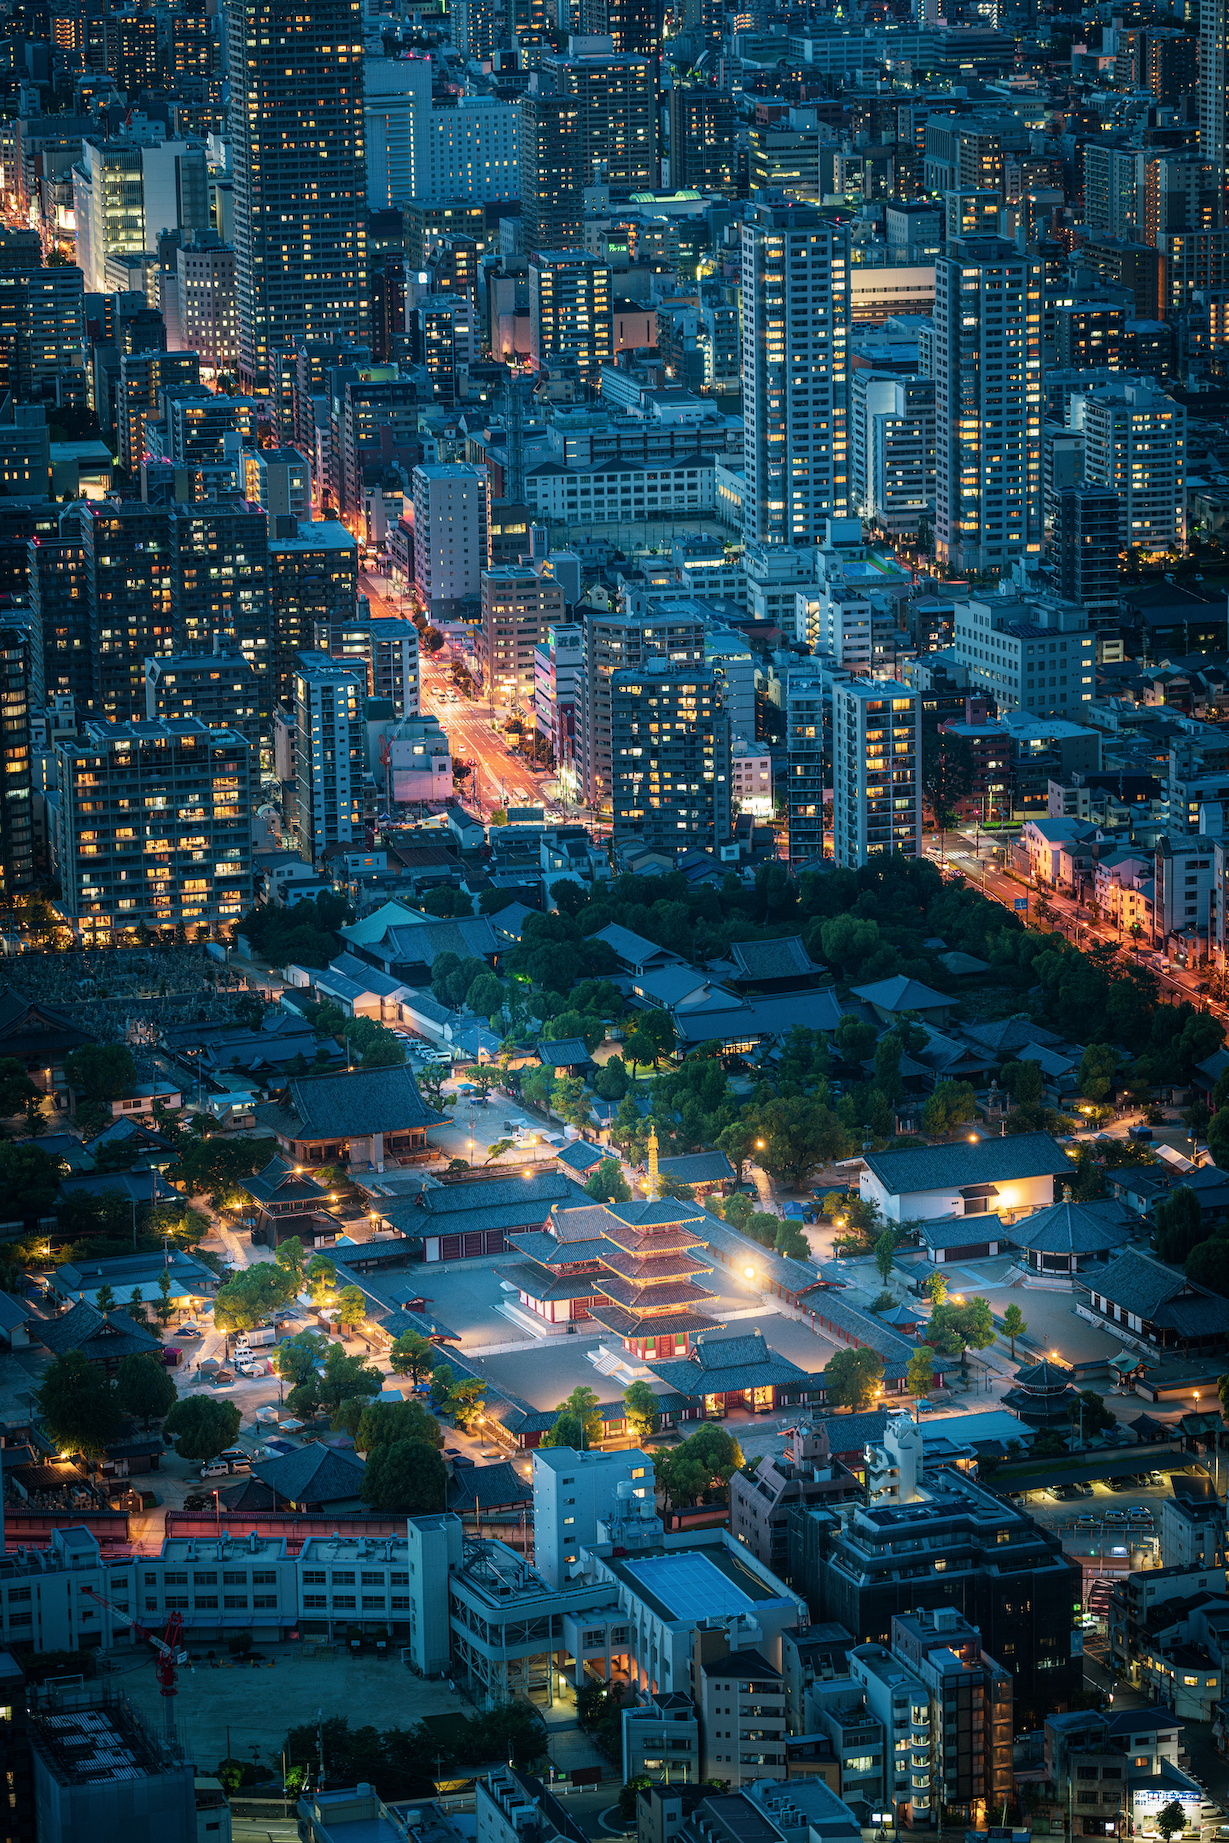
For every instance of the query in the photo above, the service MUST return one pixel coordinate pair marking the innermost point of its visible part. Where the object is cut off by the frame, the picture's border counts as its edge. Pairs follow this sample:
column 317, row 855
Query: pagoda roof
column 540, row 1283
column 669, row 1322
column 1044, row 1378
column 659, row 1293
column 656, row 1240
column 666, row 1265
column 540, row 1246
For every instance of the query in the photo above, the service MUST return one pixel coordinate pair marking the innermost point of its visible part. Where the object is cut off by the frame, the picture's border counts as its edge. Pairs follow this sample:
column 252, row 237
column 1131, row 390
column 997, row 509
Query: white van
column 217, row 1468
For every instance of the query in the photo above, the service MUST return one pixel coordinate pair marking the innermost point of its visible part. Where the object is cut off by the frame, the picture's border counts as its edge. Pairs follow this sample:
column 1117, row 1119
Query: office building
column 151, row 826
column 559, row 664
column 894, row 450
column 313, row 577
column 61, row 611
column 670, row 758
column 129, row 189
column 519, row 607
column 863, row 1567
column 1213, row 92
column 208, row 316
column 218, row 686
column 450, row 534
column 1135, row 444
column 633, row 25
column 617, row 94
column 283, row 484
column 300, row 251
column 615, row 640
column 741, row 1702
column 571, row 1492
column 16, row 1757
column 702, row 139
column 42, row 329
column 1030, row 653
column 876, row 770
column 550, row 157
column 100, row 1769
column 971, row 1705
column 329, row 698
column 795, row 304
column 987, row 372
column 471, row 24
column 219, row 585
column 16, row 813
column 129, row 575
column 143, row 378
column 1086, row 539
column 570, row 312
column 463, row 149
column 387, row 652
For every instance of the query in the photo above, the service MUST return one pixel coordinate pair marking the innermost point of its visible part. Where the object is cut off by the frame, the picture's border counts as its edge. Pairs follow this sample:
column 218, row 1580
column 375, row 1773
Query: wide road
column 500, row 777
column 1075, row 922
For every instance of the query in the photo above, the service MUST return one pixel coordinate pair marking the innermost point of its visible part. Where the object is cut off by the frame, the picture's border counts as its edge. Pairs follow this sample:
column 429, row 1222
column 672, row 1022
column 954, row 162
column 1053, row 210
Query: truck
column 252, row 1340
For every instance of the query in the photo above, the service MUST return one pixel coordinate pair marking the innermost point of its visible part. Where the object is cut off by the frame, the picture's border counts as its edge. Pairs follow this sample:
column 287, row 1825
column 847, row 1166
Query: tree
column 855, row 1038
column 104, row 1298
column 101, row 1071
column 852, row 1377
column 290, row 1255
column 412, row 1355
column 612, row 1080
column 16, row 1088
column 144, row 1387
column 203, row 1425
column 951, row 1103
column 1171, row 1820
column 885, row 1255
column 298, row 1356
column 799, row 1134
column 321, row 1278
column 709, row 1458
column 936, row 1287
column 383, row 1423
column 136, row 1306
column 629, row 1793
column 1208, row 1265
column 29, row 1180
column 567, row 1430
column 1089, row 1412
column 630, row 1129
column 1179, row 1224
column 408, row 1477
column 1098, row 1066
column 252, row 1297
column 216, row 1166
column 351, row 1307
column 583, row 1404
column 1014, row 1325
column 920, row 1375
column 461, row 1399
column 737, row 1141
column 792, row 1242
column 642, row 1410
column 947, row 774
column 956, row 1328
column 80, row 1407
column 607, row 1184
column 639, row 1050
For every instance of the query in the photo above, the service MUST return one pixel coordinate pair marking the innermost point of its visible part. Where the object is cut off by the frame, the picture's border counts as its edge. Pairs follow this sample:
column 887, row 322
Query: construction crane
column 168, row 1648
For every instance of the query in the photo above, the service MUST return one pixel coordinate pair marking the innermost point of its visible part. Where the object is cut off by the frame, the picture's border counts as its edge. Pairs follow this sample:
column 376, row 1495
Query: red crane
column 168, row 1648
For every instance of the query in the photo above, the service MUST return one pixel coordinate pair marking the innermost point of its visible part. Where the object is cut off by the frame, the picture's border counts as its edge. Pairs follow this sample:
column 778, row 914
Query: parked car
column 1064, row 1491
column 1122, row 1481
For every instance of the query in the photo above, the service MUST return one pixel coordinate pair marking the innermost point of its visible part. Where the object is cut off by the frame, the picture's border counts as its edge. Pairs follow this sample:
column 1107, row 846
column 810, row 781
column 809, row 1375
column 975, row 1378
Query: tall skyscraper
column 618, row 95
column 664, row 633
column 300, row 175
column 987, row 372
column 670, row 753
column 876, row 769
column 329, row 697
column 1086, row 543
column 1214, row 91
column 570, row 311
column 634, row 25
column 550, row 156
column 795, row 292
column 1135, row 444
column 702, row 139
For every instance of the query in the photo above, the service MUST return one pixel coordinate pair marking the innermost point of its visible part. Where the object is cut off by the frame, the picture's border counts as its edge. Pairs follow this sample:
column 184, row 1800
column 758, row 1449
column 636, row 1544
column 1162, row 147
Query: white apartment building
column 876, row 770
column 329, row 762
column 451, row 524
column 901, row 1701
column 463, row 153
column 620, row 491
column 1030, row 654
column 750, row 780
column 795, row 370
column 572, row 1492
column 987, row 375
column 1135, row 444
column 208, row 322
column 779, row 577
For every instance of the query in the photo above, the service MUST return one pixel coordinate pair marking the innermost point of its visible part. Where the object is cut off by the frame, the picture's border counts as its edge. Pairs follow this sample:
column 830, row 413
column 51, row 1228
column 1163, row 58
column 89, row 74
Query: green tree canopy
column 204, row 1426
column 383, row 1423
column 643, row 1409
column 852, row 1377
column 607, row 1183
column 252, row 1296
column 80, row 1407
column 144, row 1387
column 407, row 1477
column 412, row 1355
column 101, row 1071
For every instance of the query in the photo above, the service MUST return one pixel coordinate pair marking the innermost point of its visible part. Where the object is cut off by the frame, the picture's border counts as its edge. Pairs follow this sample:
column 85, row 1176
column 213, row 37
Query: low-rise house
column 190, row 1282
column 105, row 1338
column 314, row 1477
column 358, row 1118
column 891, row 999
column 145, row 1098
column 1149, row 1304
column 1008, row 1177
